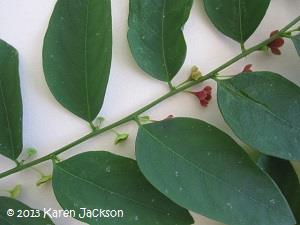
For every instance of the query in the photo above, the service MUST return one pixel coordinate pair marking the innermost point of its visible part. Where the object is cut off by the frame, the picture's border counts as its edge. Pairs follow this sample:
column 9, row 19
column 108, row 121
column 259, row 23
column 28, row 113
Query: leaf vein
column 85, row 62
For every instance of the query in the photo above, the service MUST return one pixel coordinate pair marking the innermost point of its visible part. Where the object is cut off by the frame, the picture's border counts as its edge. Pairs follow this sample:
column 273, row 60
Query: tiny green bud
column 144, row 119
column 16, row 191
column 195, row 73
column 121, row 138
column 43, row 180
column 31, row 152
column 98, row 122
column 56, row 159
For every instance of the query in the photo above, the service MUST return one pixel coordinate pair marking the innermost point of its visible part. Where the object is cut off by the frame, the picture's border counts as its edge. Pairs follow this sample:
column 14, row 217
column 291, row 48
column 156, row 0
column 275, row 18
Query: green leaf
column 155, row 35
column 202, row 169
column 237, row 19
column 286, row 178
column 11, row 112
column 111, row 182
column 263, row 109
column 29, row 216
column 296, row 41
column 77, row 55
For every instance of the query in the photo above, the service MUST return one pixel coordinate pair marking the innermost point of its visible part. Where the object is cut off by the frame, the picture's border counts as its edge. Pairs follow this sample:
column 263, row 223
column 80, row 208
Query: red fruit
column 208, row 97
column 169, row 117
column 207, row 89
column 247, row 68
column 201, row 95
column 204, row 103
column 204, row 95
column 276, row 51
column 276, row 44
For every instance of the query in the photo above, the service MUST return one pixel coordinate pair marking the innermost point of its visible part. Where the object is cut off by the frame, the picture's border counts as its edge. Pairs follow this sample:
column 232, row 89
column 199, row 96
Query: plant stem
column 92, row 126
column 243, row 47
column 171, row 85
column 294, row 30
column 134, row 115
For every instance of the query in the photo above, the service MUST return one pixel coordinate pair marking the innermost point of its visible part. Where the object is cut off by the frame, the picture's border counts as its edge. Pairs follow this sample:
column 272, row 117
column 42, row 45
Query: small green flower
column 31, row 152
column 144, row 119
column 44, row 179
column 98, row 122
column 195, row 73
column 121, row 138
column 16, row 191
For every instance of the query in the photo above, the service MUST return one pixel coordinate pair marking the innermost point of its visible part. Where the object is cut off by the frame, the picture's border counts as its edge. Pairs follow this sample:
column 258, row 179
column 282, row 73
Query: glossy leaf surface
column 203, row 169
column 155, row 35
column 11, row 143
column 101, row 180
column 263, row 109
column 21, row 214
column 285, row 176
column 237, row 19
column 77, row 55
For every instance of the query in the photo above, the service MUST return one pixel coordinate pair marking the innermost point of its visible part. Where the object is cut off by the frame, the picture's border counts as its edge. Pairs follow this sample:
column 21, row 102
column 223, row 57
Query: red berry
column 208, row 97
column 204, row 103
column 247, row 68
column 169, row 117
column 201, row 95
column 276, row 44
column 207, row 89
column 204, row 95
column 276, row 51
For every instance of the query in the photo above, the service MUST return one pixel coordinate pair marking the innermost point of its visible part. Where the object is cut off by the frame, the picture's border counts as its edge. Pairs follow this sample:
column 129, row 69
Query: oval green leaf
column 263, row 109
column 201, row 168
column 284, row 174
column 21, row 213
column 155, row 35
column 296, row 41
column 237, row 19
column 111, row 182
column 77, row 55
column 11, row 143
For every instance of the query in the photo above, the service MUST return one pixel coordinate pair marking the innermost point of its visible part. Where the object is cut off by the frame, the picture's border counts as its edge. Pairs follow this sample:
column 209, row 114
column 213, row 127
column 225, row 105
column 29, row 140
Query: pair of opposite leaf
column 155, row 32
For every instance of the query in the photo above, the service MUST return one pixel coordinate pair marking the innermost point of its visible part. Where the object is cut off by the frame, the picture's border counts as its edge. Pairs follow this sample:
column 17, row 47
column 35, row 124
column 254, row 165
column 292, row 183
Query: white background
column 48, row 126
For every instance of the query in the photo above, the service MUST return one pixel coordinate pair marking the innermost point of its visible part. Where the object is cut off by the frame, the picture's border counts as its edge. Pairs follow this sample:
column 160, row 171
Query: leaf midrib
column 162, row 39
column 203, row 171
column 240, row 21
column 85, row 62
